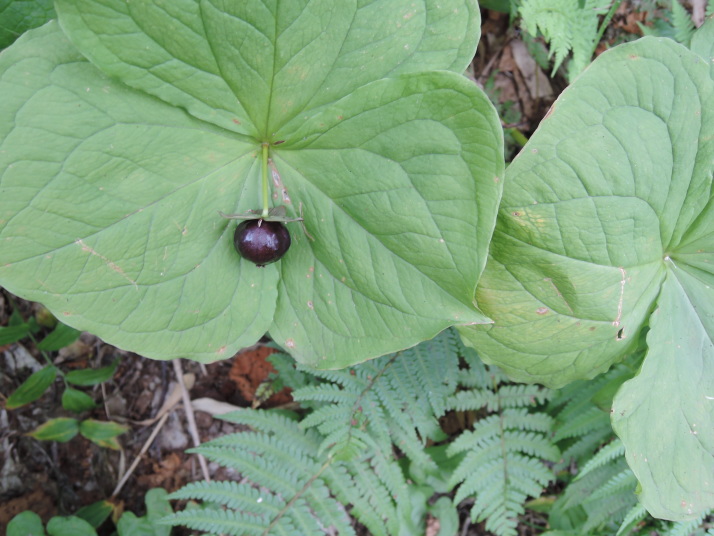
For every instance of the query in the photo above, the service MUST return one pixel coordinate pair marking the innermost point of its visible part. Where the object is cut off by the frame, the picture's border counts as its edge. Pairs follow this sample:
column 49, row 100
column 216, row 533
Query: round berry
column 261, row 242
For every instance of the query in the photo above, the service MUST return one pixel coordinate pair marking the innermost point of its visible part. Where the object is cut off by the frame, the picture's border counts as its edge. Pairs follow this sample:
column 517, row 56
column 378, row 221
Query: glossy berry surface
column 261, row 242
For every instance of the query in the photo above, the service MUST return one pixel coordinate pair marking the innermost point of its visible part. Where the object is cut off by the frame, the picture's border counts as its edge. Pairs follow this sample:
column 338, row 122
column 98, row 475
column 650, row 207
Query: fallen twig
column 193, row 430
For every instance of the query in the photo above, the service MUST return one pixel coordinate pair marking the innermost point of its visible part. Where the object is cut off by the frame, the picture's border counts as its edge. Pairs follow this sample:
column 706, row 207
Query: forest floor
column 53, row 478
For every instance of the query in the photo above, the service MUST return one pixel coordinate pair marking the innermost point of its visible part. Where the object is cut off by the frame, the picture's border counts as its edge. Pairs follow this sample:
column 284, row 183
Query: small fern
column 288, row 489
column 502, row 464
column 309, row 477
column 394, row 399
column 603, row 489
column 682, row 23
column 675, row 23
column 581, row 427
column 566, row 25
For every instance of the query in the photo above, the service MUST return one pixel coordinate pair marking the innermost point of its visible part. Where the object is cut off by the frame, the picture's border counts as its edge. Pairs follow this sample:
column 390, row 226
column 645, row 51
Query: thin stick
column 146, row 446
column 193, row 430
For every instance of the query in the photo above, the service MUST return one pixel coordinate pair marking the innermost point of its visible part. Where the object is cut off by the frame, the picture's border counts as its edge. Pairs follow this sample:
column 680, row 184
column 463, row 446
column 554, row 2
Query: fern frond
column 588, row 420
column 471, row 400
column 394, row 399
column 231, row 495
column 610, row 509
column 605, row 492
column 289, row 489
column 288, row 372
column 428, row 370
column 215, row 521
column 687, row 528
column 376, row 488
column 567, row 25
column 503, row 456
column 581, row 427
column 682, row 23
column 521, row 395
column 621, row 482
column 636, row 514
column 579, row 490
column 612, row 451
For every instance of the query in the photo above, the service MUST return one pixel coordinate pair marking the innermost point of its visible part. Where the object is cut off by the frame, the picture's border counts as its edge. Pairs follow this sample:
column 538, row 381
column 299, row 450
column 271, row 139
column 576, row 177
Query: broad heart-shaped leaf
column 111, row 196
column 395, row 218
column 607, row 215
column 607, row 186
column 250, row 66
column 665, row 415
column 107, row 212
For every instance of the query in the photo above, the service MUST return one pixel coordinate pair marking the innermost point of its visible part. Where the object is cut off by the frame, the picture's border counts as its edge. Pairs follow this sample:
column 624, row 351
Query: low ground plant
column 134, row 134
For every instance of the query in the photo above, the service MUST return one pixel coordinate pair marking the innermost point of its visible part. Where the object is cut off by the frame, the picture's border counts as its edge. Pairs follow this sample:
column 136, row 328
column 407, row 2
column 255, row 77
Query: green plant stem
column 604, row 24
column 518, row 136
column 266, row 192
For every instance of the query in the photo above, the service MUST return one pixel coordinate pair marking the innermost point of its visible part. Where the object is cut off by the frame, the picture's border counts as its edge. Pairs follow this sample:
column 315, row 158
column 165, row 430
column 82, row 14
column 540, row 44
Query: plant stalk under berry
column 266, row 192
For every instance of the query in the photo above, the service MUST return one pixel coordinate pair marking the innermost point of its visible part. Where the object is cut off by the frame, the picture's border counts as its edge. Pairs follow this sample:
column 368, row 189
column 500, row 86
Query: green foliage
column 504, row 455
column 604, row 230
column 600, row 499
column 32, row 388
column 590, row 248
column 370, row 132
column 395, row 399
column 340, row 454
column 567, row 26
column 18, row 16
column 88, row 519
column 582, row 426
column 367, row 428
column 604, row 488
column 63, row 429
column 17, row 329
column 286, row 484
column 675, row 23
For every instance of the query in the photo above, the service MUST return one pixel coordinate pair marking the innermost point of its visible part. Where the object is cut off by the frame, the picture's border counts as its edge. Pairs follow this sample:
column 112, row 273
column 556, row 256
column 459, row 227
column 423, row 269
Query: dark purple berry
column 260, row 241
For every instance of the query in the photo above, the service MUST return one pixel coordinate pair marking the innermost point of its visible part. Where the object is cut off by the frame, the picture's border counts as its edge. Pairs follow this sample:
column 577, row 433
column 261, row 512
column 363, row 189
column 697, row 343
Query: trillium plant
column 181, row 177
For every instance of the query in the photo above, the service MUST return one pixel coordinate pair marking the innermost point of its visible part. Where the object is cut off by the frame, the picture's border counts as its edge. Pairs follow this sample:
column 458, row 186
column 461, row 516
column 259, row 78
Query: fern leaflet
column 567, row 25
column 503, row 454
column 394, row 399
column 288, row 489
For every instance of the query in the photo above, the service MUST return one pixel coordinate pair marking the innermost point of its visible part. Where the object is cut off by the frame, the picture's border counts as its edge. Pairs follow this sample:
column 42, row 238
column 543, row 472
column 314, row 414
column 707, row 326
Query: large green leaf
column 109, row 213
column 703, row 43
column 607, row 215
column 108, row 209
column 609, row 184
column 394, row 218
column 18, row 16
column 665, row 415
column 249, row 66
